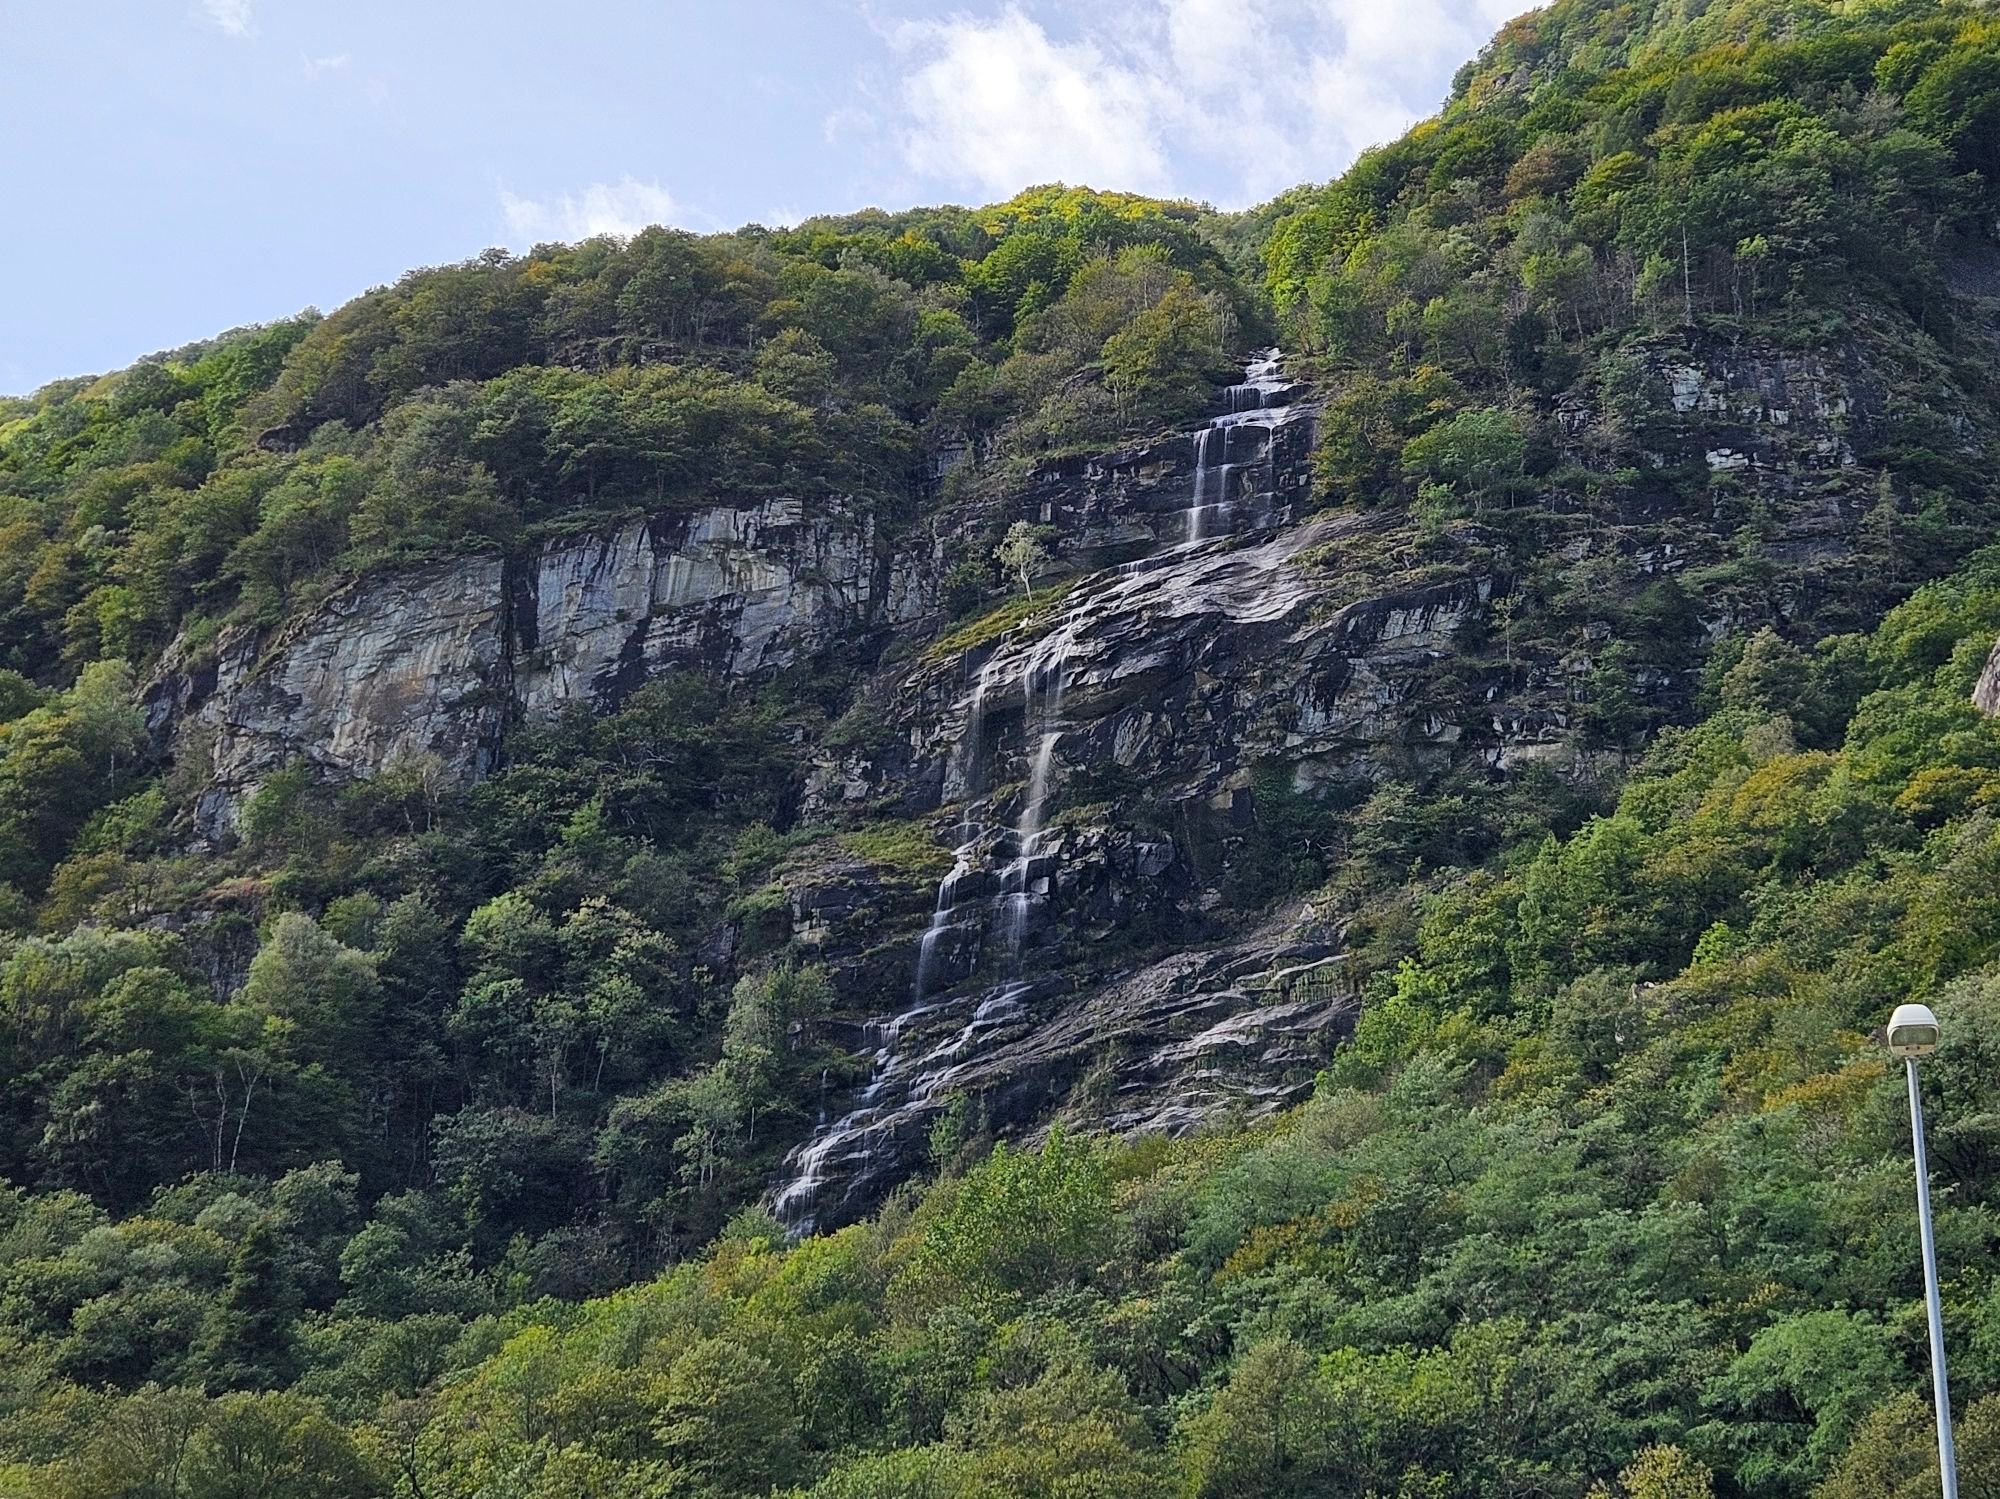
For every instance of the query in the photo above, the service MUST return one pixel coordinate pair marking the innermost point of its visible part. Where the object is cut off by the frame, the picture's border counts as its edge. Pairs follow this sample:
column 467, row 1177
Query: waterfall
column 1200, row 482
column 1253, row 403
column 806, row 1181
column 1256, row 402
column 967, row 768
column 1002, row 1006
column 1201, row 504
column 904, row 1084
column 1027, row 843
column 1045, row 676
column 902, row 1090
column 792, row 1202
column 969, row 752
column 941, row 922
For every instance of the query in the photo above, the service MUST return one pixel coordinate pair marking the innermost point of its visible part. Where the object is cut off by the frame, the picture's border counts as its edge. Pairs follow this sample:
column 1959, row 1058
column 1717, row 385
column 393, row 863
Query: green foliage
column 1022, row 555
column 1590, row 183
column 246, row 1336
column 412, row 1145
column 475, row 404
column 60, row 760
column 1894, row 1453
column 906, row 849
column 1020, row 1222
column 1480, row 450
column 1027, row 611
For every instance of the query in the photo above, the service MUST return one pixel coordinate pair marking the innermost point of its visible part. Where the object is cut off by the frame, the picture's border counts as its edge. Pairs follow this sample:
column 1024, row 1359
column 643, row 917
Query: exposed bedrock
column 1986, row 692
column 1095, row 769
column 1236, row 1032
column 435, row 662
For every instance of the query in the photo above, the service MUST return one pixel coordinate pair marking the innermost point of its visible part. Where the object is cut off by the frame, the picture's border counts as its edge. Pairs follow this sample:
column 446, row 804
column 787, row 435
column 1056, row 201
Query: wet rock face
column 1233, row 1032
column 434, row 663
column 1179, row 674
column 1182, row 671
column 1099, row 765
column 1252, row 473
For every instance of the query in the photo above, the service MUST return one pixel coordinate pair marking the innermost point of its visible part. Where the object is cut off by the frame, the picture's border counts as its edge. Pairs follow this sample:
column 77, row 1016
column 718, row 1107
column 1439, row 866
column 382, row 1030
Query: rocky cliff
column 436, row 663
column 1210, row 629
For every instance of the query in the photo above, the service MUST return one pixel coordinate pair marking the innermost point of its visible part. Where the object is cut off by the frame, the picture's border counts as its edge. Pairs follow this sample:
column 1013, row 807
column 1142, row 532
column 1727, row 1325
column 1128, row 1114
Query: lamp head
column 1913, row 1031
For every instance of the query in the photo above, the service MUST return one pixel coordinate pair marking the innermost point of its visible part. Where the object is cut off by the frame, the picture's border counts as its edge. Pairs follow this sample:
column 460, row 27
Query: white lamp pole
column 1913, row 1033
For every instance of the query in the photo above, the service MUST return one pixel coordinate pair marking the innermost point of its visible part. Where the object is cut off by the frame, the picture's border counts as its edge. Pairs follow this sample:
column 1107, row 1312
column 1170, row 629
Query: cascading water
column 1020, row 878
column 966, row 770
column 1200, row 500
column 850, row 1136
column 1042, row 685
column 903, row 1086
column 1257, row 403
column 793, row 1202
column 942, row 924
column 903, row 1089
column 1207, row 496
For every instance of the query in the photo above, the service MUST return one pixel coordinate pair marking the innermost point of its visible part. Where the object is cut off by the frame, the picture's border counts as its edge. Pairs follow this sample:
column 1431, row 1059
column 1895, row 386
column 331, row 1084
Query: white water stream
column 901, row 1086
column 1250, row 405
column 1042, row 686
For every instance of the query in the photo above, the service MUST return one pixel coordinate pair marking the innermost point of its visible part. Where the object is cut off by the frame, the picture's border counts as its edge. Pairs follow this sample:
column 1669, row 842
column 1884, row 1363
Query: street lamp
column 1913, row 1033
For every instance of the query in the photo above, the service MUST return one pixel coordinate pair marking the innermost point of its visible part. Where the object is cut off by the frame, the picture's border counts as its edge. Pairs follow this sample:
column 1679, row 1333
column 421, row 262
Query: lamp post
column 1913, row 1033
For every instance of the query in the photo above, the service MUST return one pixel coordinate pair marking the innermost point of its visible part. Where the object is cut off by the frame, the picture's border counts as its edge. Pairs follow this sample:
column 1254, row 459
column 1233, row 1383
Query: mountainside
column 1079, row 848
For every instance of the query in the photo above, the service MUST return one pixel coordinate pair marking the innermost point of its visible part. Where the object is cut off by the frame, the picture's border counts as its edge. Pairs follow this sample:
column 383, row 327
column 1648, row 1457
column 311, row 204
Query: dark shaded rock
column 1237, row 1031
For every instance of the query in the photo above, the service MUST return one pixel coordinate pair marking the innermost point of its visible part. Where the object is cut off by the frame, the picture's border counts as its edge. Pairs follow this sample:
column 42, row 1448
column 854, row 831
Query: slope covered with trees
column 412, row 1143
column 533, row 945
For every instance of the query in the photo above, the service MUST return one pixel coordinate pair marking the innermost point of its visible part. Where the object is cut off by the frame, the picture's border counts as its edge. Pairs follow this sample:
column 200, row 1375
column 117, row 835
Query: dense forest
column 414, row 1140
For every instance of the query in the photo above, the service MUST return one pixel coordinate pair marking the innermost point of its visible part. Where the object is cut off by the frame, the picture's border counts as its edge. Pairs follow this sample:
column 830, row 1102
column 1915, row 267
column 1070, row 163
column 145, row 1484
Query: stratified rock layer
column 1237, row 1032
column 389, row 668
column 732, row 592
column 434, row 663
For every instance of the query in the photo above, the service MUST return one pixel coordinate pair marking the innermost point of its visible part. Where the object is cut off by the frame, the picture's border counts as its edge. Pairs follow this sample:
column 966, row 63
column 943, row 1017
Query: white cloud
column 232, row 17
column 623, row 207
column 1000, row 105
column 314, row 66
column 1166, row 95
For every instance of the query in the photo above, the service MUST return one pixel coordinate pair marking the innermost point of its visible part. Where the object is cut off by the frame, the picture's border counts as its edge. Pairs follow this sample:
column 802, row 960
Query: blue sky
column 172, row 168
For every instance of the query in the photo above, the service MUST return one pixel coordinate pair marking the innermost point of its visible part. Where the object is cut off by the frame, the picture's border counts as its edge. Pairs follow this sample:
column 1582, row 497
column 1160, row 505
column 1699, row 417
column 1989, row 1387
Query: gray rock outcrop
column 390, row 668
column 733, row 592
column 434, row 663
column 1986, row 691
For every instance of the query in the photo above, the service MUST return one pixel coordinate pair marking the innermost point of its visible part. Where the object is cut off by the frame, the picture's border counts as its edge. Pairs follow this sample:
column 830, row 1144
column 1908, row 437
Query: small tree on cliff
column 1022, row 554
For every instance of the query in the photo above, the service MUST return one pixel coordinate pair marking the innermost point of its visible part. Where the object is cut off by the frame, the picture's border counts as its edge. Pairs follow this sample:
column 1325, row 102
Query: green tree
column 726, row 1424
column 1021, row 1222
column 1480, row 450
column 1022, row 553
column 1267, row 1432
column 1666, row 1473
column 1793, row 1398
column 246, row 1338
column 326, row 992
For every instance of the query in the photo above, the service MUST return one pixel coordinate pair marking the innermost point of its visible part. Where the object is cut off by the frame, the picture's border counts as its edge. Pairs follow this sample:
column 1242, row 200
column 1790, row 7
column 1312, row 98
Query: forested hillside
column 877, row 860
